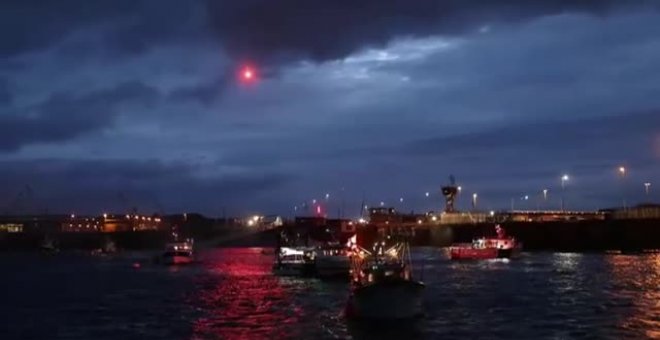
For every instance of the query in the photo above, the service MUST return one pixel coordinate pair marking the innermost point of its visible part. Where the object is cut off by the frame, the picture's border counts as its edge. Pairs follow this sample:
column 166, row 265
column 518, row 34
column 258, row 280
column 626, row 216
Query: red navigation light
column 318, row 210
column 248, row 74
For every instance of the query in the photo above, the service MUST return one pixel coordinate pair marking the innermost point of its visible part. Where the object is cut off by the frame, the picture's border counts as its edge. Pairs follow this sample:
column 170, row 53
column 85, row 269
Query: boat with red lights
column 177, row 253
column 382, row 284
column 485, row 248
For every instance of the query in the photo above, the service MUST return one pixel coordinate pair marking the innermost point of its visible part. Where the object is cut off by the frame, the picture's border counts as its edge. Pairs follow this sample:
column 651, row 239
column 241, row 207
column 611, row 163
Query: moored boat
column 483, row 248
column 382, row 284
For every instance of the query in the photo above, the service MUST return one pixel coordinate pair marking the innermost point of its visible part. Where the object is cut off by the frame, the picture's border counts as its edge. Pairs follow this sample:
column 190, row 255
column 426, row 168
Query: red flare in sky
column 248, row 74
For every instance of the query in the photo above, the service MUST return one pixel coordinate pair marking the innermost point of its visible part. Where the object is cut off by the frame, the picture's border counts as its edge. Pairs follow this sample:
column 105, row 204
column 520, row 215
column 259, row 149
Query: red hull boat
column 487, row 248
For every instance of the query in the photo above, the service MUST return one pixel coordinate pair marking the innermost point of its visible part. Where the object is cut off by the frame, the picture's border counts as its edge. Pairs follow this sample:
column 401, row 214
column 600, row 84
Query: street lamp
column 647, row 187
column 474, row 200
column 564, row 179
column 427, row 194
column 327, row 196
column 622, row 172
column 401, row 199
column 545, row 198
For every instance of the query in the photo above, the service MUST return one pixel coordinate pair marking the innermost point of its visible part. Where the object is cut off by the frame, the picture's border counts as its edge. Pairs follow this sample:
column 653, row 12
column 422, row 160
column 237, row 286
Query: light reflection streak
column 242, row 300
column 638, row 282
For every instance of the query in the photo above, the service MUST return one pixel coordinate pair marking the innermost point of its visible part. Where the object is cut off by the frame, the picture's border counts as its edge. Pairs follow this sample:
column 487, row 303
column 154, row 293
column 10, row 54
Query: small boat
column 108, row 248
column 382, row 284
column 48, row 246
column 294, row 261
column 484, row 248
column 178, row 253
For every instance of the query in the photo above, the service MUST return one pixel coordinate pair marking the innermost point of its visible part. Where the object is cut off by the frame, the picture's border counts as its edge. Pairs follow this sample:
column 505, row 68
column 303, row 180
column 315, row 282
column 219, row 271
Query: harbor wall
column 624, row 235
column 578, row 236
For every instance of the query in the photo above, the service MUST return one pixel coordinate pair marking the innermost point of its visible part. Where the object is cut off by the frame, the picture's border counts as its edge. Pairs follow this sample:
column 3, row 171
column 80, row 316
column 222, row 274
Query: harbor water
column 231, row 294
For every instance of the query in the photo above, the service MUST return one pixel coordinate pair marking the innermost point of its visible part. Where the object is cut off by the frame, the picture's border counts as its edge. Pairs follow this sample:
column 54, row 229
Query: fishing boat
column 177, row 253
column 382, row 284
column 483, row 248
column 294, row 261
column 333, row 260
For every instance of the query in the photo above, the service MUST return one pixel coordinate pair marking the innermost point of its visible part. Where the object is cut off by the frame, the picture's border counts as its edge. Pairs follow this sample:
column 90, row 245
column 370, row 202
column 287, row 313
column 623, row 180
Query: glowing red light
column 247, row 74
column 318, row 209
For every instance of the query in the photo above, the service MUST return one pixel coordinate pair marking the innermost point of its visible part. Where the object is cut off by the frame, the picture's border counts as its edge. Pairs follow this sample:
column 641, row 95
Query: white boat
column 178, row 253
column 383, row 286
column 292, row 261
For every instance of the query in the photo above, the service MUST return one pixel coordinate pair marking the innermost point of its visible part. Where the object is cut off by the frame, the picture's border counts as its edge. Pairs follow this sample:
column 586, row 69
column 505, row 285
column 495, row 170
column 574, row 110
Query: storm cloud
column 63, row 116
column 367, row 100
column 328, row 30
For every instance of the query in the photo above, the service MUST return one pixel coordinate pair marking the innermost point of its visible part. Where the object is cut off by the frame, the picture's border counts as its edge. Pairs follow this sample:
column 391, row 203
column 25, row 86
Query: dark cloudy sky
column 106, row 105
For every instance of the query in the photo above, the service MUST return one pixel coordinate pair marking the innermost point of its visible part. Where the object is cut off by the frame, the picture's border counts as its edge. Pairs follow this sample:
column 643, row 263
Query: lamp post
column 622, row 172
column 458, row 196
column 564, row 179
column 474, row 201
column 647, row 187
column 545, row 198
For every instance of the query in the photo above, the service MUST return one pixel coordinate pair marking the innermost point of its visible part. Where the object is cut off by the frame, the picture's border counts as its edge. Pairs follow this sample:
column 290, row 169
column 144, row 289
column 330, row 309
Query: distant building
column 11, row 227
column 110, row 223
column 30, row 223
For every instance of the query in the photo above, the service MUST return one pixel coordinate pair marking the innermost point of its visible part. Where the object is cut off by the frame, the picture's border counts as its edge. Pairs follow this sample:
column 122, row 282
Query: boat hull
column 297, row 269
column 387, row 300
column 176, row 260
column 333, row 266
column 460, row 253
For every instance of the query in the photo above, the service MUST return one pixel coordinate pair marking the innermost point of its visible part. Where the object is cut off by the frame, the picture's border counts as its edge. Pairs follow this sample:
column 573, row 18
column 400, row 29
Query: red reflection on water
column 241, row 299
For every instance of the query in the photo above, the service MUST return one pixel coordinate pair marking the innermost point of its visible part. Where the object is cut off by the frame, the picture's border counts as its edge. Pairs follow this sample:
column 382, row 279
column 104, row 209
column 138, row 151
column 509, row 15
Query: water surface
column 232, row 294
